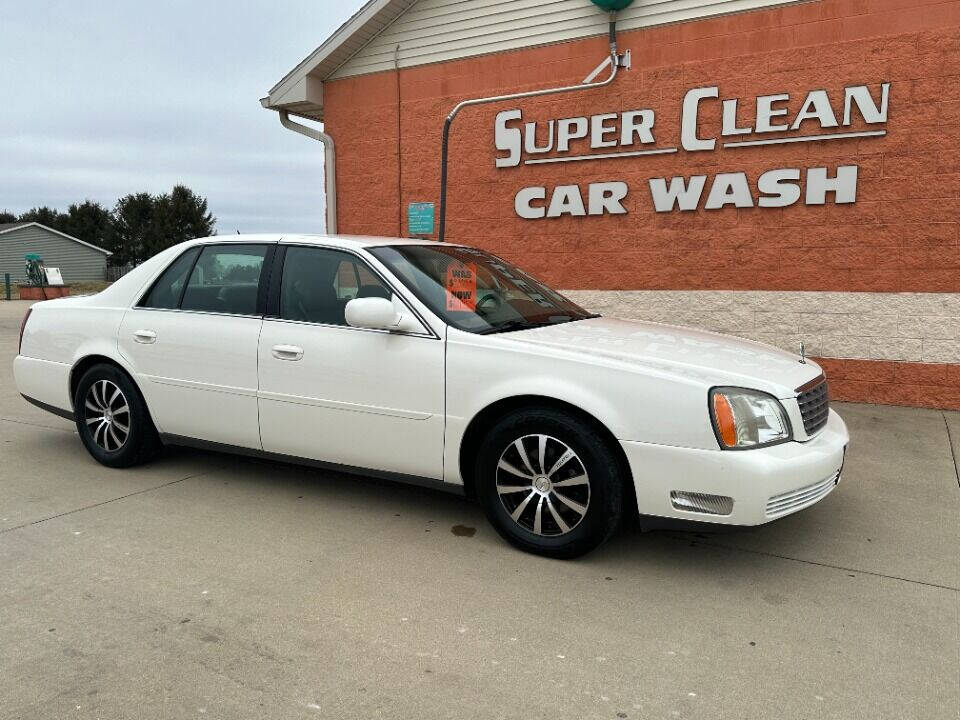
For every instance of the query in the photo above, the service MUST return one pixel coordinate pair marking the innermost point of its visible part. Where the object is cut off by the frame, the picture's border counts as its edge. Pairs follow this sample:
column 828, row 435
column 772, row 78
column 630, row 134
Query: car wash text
column 860, row 111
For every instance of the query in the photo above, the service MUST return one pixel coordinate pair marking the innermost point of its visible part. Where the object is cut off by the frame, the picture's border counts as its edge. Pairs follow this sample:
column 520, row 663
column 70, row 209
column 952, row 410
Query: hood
column 709, row 357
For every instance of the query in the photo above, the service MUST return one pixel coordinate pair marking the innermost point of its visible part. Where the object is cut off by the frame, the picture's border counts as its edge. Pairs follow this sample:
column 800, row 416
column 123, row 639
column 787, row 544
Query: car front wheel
column 550, row 483
column 112, row 418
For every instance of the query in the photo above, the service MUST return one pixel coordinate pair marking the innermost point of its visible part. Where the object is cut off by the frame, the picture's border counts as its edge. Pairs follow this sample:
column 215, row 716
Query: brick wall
column 900, row 238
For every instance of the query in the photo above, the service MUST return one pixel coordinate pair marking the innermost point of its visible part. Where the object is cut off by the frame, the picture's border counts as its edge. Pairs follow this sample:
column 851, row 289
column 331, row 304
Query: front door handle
column 145, row 336
column 287, row 352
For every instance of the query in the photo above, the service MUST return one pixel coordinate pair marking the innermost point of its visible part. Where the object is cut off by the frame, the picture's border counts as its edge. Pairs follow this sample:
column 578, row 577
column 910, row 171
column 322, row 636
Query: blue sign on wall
column 420, row 218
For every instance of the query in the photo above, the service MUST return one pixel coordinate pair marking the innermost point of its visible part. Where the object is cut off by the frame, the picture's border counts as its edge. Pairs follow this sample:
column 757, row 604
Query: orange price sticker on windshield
column 461, row 286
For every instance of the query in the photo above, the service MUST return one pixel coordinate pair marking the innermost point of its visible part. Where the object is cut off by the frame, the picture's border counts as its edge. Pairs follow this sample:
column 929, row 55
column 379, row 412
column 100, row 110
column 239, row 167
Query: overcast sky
column 109, row 97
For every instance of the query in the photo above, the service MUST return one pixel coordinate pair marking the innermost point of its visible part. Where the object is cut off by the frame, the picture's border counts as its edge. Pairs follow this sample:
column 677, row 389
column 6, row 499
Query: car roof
column 345, row 241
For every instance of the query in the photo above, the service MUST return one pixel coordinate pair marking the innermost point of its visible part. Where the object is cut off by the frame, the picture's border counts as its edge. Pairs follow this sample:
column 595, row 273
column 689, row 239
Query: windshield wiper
column 511, row 325
column 521, row 324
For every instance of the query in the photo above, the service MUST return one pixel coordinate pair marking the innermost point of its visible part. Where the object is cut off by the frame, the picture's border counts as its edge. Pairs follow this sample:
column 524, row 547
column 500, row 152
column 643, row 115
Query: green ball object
column 612, row 5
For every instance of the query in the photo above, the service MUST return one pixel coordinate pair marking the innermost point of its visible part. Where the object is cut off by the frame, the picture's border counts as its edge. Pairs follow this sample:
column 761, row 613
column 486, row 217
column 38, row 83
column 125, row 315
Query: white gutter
column 329, row 165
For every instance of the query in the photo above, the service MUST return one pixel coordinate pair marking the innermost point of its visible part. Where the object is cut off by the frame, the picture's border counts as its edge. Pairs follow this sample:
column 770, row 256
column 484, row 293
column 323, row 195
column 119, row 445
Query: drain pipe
column 329, row 165
column 614, row 61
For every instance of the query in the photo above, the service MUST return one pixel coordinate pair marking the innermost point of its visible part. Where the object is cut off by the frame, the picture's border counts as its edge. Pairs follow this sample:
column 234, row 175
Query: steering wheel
column 489, row 303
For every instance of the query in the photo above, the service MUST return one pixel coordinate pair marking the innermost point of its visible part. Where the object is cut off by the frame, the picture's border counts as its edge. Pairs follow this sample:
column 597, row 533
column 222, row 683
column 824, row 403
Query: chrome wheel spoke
column 111, row 432
column 122, row 410
column 556, row 517
column 538, row 518
column 542, row 452
column 576, row 480
column 504, row 465
column 98, row 432
column 573, row 505
column 523, row 456
column 122, row 428
column 522, row 506
column 113, row 397
column 561, row 461
column 99, row 418
column 91, row 406
column 507, row 489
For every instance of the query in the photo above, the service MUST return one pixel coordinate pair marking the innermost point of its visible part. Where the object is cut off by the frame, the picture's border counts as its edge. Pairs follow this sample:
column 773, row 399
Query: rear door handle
column 145, row 336
column 287, row 352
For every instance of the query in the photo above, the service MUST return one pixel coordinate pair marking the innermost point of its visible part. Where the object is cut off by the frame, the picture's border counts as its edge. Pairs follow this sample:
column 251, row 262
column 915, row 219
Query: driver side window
column 317, row 283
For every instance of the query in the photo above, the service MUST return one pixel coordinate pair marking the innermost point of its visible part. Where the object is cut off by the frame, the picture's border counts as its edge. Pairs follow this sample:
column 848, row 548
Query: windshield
column 476, row 291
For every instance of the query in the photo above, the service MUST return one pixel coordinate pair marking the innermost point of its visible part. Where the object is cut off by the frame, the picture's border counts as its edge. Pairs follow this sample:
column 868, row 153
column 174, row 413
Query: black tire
column 572, row 534
column 127, row 409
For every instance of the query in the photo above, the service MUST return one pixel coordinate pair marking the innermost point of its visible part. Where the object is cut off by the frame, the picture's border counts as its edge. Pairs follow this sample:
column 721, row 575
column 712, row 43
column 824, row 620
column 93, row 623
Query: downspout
column 329, row 165
column 614, row 61
column 396, row 69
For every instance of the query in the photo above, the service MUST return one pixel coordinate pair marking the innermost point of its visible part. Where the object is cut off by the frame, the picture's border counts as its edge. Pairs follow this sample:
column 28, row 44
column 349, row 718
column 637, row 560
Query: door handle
column 145, row 336
column 287, row 352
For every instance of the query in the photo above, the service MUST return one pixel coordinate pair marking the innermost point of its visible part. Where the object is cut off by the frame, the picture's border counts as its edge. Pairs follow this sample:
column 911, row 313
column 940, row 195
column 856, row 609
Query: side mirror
column 376, row 313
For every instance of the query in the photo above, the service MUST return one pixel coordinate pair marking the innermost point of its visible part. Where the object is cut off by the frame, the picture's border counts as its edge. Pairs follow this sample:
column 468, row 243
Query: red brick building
column 785, row 171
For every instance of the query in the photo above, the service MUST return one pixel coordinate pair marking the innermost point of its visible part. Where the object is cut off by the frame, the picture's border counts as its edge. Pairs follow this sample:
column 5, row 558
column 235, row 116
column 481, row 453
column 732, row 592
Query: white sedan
column 439, row 364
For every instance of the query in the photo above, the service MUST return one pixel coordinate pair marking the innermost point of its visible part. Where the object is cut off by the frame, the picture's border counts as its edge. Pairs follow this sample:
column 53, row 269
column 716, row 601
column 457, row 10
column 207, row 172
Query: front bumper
column 765, row 484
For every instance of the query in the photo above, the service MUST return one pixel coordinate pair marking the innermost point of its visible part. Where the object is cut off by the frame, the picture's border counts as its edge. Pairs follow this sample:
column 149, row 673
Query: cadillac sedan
column 437, row 364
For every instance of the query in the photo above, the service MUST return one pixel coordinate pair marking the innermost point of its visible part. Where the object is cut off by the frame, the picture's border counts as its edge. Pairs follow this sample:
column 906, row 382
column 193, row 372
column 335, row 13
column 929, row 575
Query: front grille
column 796, row 499
column 814, row 407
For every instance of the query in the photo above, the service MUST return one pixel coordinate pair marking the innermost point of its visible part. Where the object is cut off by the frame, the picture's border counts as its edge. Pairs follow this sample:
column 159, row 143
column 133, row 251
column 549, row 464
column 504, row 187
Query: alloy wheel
column 543, row 485
column 107, row 413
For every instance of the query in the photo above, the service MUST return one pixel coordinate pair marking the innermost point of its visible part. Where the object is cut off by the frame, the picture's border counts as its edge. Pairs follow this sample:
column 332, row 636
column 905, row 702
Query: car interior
column 233, row 299
column 317, row 285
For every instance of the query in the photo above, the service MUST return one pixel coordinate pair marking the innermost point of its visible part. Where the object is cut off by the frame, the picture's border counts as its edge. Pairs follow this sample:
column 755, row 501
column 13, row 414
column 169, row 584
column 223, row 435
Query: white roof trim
column 55, row 232
column 365, row 24
column 300, row 92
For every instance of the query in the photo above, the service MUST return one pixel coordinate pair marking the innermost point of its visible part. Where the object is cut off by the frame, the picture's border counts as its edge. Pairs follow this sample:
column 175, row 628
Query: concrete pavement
column 210, row 586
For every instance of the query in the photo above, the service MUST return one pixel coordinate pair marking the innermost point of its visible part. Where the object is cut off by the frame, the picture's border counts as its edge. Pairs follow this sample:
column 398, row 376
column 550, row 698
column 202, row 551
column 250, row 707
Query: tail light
column 23, row 325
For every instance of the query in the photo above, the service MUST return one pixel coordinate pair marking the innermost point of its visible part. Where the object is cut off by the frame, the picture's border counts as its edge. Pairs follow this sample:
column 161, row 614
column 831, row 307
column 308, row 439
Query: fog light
column 701, row 503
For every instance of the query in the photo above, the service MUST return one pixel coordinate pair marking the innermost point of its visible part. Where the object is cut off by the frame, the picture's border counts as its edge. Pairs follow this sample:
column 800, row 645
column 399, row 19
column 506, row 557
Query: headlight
column 745, row 419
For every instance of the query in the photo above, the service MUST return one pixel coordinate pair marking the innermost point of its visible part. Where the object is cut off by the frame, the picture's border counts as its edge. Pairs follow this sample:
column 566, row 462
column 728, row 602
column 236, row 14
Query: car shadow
column 639, row 537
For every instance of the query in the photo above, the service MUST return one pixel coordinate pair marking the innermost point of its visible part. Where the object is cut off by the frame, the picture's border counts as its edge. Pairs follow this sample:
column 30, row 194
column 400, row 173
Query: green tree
column 91, row 222
column 185, row 215
column 145, row 224
column 48, row 216
column 7, row 217
column 134, row 229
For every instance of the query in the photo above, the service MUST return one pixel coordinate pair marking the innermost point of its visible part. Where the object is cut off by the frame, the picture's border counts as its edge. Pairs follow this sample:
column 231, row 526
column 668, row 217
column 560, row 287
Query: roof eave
column 301, row 90
column 56, row 232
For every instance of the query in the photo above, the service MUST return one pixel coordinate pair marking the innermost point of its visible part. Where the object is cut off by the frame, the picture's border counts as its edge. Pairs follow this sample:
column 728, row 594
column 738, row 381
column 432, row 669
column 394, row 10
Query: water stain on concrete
column 463, row 531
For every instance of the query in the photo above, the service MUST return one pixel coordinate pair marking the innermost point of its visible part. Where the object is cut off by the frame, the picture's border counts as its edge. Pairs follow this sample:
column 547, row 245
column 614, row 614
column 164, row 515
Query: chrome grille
column 701, row 503
column 814, row 407
column 796, row 499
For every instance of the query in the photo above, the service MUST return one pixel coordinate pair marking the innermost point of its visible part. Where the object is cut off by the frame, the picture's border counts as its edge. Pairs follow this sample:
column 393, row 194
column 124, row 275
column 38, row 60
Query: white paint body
column 401, row 401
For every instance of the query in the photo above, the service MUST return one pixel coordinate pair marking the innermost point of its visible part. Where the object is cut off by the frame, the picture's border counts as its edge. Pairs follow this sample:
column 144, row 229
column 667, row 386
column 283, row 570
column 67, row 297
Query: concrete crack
column 70, row 429
column 105, row 502
column 953, row 453
column 819, row 564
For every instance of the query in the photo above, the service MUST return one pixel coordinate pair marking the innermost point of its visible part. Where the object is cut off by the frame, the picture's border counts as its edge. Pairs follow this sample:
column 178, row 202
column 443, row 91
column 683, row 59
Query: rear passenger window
column 225, row 279
column 165, row 293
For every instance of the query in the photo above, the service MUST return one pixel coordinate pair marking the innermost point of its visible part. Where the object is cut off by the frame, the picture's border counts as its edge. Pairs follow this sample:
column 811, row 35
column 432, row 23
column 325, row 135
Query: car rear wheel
column 550, row 483
column 112, row 418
